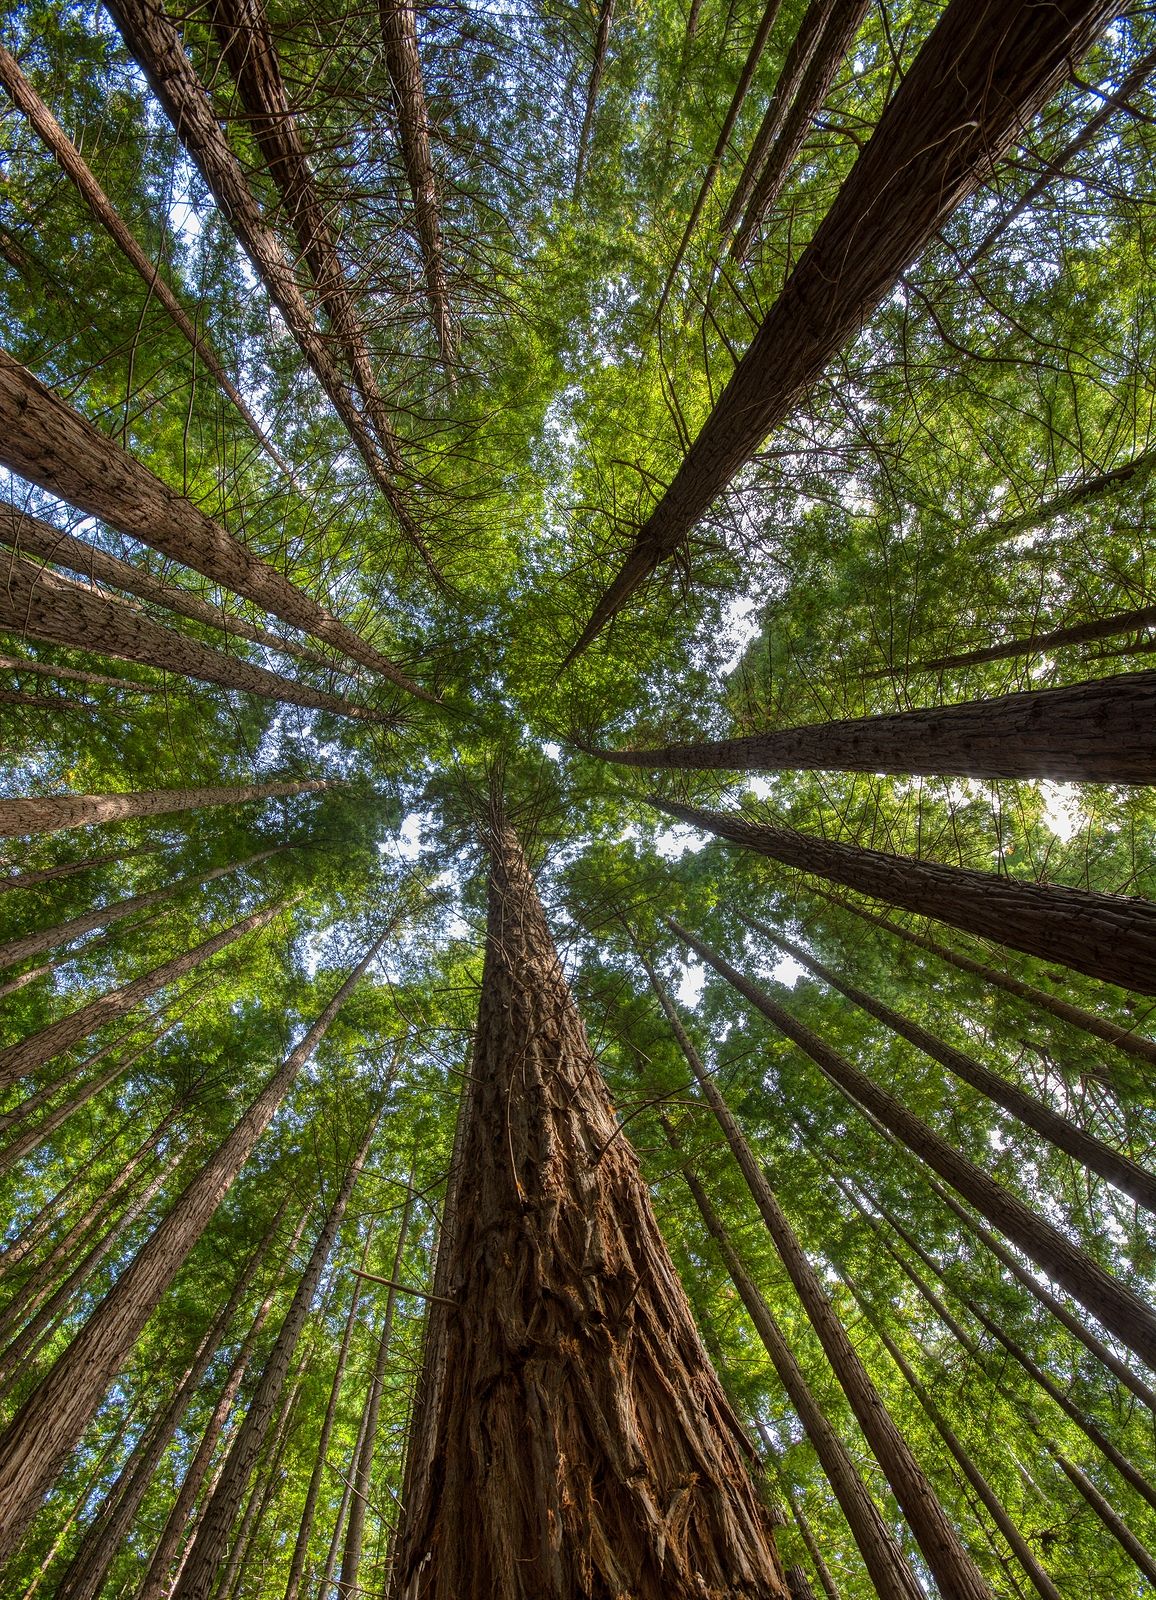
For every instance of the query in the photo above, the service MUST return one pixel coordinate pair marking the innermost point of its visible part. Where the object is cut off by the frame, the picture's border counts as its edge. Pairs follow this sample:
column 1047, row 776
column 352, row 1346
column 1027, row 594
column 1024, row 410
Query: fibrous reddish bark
column 575, row 1440
column 49, row 812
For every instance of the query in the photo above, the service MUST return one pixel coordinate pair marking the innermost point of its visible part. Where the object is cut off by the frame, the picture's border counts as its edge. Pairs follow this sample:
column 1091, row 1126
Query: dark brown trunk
column 34, row 877
column 1035, row 644
column 32, row 1052
column 201, row 1571
column 955, row 1573
column 601, row 44
column 51, row 445
column 72, row 163
column 1133, row 473
column 1121, row 1311
column 1101, row 732
column 48, row 813
column 577, row 1441
column 986, row 68
column 1112, row 937
column 1098, row 1157
column 1120, row 1531
column 78, row 1506
column 55, row 1415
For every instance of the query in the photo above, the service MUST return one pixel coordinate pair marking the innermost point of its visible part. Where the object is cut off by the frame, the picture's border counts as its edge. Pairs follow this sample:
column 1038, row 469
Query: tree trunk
column 34, row 944
column 78, row 1506
column 1101, row 732
column 36, row 876
column 787, row 123
column 48, row 813
column 76, row 169
column 1087, row 1021
column 152, row 37
column 1127, row 1540
column 32, row 1052
column 100, row 680
column 1121, row 1311
column 1107, row 936
column 39, row 604
column 601, row 43
column 1035, row 644
column 577, row 1440
column 403, row 63
column 199, row 1576
column 51, row 445
column 30, row 536
column 55, row 1415
column 1058, row 1130
column 954, row 1571
column 986, row 68
column 1135, row 472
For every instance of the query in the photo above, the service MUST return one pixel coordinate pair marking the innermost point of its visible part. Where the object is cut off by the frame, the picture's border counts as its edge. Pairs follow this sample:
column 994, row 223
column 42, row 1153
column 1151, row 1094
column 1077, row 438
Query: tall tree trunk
column 101, row 680
column 32, row 1052
column 31, row 536
column 955, row 1573
column 151, row 36
column 1101, row 732
column 78, row 1506
column 53, row 446
column 1087, row 1021
column 806, row 1532
column 1035, row 644
column 47, row 813
column 986, row 68
column 1121, row 1311
column 200, row 1573
column 36, row 876
column 1116, row 1526
column 1107, row 936
column 403, row 63
column 34, row 944
column 74, row 166
column 39, row 604
column 578, row 1441
column 601, row 44
column 1135, row 472
column 1058, row 1130
column 347, row 1585
column 55, row 1415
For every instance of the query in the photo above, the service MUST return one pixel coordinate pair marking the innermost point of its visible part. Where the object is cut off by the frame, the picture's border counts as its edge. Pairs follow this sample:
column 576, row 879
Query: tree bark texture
column 1136, row 621
column 985, row 70
column 48, row 813
column 577, row 1442
column 53, row 446
column 100, row 680
column 52, row 1419
column 1100, row 732
column 1112, row 937
column 1121, row 1311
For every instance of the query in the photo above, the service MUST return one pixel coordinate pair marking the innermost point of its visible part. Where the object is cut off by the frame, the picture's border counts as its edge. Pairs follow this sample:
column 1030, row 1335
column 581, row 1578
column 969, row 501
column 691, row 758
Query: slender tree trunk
column 53, row 446
column 986, row 68
column 32, row 1052
column 601, row 44
column 201, row 1570
column 1135, row 473
column 403, row 63
column 574, row 1398
column 34, row 944
column 74, row 166
column 55, row 1415
column 100, row 680
column 1087, row 1021
column 347, row 1585
column 78, row 1506
column 32, row 878
column 1120, row 1310
column 954, row 1571
column 806, row 1532
column 33, row 537
column 1101, row 732
column 264, row 1487
column 1116, row 1526
column 1107, row 936
column 1035, row 644
column 50, row 812
column 41, row 605
column 1059, row 1131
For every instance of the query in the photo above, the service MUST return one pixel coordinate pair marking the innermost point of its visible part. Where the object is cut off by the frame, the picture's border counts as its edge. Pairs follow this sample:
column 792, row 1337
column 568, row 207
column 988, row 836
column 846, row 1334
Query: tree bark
column 1121, row 1311
column 601, row 43
column 1100, row 732
column 33, row 1051
column 48, row 813
column 39, row 604
column 34, row 537
column 100, row 680
column 955, row 1573
column 1058, row 1130
column 1107, row 936
column 56, row 1413
column 1071, row 497
column 986, row 68
column 1035, row 644
column 199, row 1576
column 578, row 1441
column 49, row 444
column 30, row 879
column 1120, row 1531
column 74, row 166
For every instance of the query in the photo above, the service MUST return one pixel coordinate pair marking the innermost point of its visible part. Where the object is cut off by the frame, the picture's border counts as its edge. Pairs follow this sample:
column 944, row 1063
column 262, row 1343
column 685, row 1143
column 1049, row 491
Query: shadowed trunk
column 601, row 43
column 1137, row 621
column 102, row 680
column 29, row 880
column 48, row 813
column 1108, row 936
column 986, row 68
column 575, row 1440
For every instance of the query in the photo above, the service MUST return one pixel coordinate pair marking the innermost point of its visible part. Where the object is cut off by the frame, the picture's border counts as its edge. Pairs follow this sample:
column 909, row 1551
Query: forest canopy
column 577, row 943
